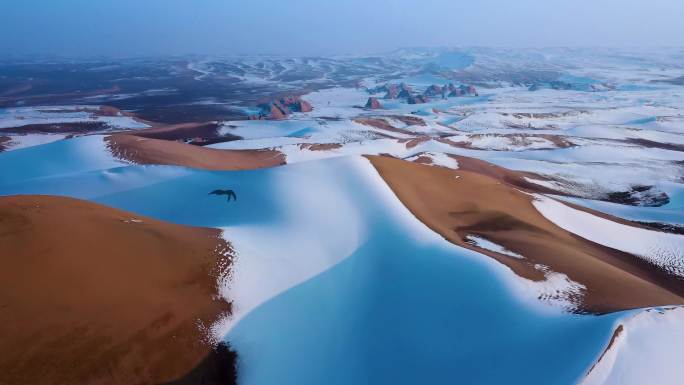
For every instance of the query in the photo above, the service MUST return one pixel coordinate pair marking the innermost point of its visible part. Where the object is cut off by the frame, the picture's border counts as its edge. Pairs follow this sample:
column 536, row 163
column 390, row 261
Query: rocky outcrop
column 296, row 104
column 278, row 111
column 418, row 99
column 405, row 90
column 283, row 107
column 392, row 91
column 433, row 90
column 373, row 104
column 462, row 90
column 378, row 89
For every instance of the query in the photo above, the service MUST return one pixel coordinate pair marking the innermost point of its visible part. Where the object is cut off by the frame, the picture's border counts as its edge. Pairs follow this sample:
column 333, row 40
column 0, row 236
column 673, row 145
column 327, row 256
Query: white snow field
column 491, row 246
column 13, row 119
column 648, row 350
column 22, row 116
column 661, row 249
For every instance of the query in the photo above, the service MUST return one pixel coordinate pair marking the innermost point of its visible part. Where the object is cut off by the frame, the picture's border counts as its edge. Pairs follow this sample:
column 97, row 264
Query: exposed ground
column 157, row 151
column 487, row 202
column 91, row 294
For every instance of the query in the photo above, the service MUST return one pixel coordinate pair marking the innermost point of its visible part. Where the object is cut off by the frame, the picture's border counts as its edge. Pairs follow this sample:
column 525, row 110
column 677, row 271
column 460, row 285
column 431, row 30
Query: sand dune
column 157, row 151
column 200, row 132
column 91, row 294
column 486, row 201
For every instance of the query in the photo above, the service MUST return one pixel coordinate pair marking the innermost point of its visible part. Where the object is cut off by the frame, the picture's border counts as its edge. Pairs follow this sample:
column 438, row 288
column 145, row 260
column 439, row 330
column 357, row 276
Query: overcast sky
column 305, row 27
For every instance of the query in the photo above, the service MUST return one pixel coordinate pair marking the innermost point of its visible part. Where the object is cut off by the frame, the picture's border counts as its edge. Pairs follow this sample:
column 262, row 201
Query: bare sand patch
column 156, row 151
column 382, row 124
column 319, row 146
column 413, row 142
column 182, row 131
column 490, row 202
column 91, row 294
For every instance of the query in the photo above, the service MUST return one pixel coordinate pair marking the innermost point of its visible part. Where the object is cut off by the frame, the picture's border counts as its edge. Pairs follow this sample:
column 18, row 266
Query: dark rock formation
column 456, row 92
column 378, row 89
column 433, row 90
column 462, row 90
column 392, row 91
column 296, row 104
column 645, row 196
column 419, row 99
column 405, row 91
column 373, row 103
column 283, row 107
column 278, row 111
column 405, row 94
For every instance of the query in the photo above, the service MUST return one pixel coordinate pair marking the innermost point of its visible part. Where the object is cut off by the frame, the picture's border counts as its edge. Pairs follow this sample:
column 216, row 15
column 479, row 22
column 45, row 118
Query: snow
column 336, row 102
column 648, row 350
column 507, row 143
column 436, row 159
column 491, row 246
column 201, row 67
column 30, row 140
column 16, row 117
column 64, row 157
column 663, row 214
column 335, row 281
column 12, row 118
column 557, row 289
column 340, row 306
column 265, row 269
column 661, row 249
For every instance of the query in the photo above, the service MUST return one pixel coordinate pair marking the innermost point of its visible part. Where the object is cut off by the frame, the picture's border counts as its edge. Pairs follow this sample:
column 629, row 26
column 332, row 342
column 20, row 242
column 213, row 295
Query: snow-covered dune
column 63, row 157
column 336, row 282
column 661, row 249
column 646, row 349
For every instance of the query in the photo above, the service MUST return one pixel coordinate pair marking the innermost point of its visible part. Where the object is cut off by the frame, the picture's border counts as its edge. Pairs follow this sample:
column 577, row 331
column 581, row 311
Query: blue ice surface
column 397, row 311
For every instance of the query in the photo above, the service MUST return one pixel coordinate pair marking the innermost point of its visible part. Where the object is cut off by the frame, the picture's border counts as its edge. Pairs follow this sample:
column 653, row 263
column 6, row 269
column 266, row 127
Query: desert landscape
column 425, row 215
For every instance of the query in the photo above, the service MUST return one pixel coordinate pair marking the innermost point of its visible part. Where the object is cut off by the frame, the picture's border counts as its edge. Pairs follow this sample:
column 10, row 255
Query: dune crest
column 493, row 203
column 158, row 151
